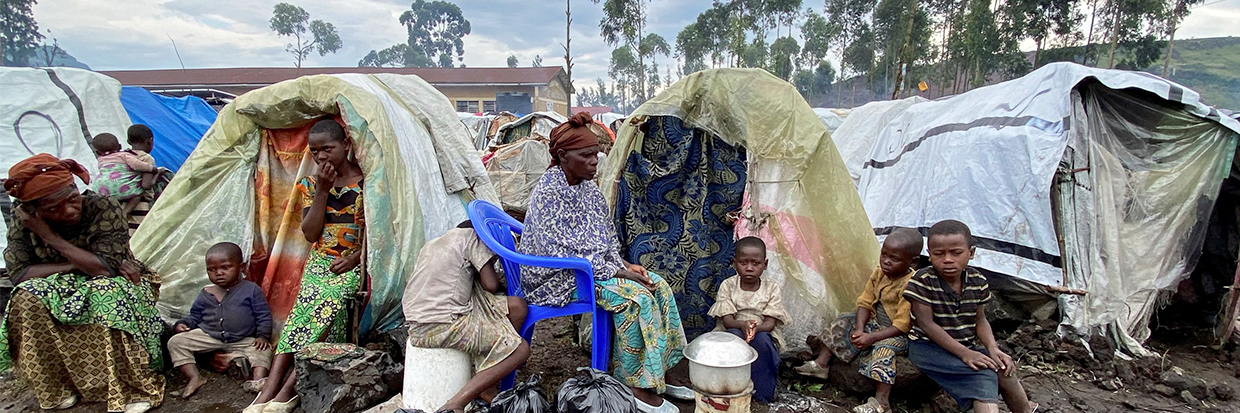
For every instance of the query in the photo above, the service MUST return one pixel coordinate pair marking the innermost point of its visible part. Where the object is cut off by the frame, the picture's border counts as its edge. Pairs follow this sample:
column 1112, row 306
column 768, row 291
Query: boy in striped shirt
column 951, row 340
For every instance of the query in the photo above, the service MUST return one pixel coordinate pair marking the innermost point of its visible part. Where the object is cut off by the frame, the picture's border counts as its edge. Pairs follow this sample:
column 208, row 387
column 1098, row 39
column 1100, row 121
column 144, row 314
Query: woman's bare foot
column 192, row 386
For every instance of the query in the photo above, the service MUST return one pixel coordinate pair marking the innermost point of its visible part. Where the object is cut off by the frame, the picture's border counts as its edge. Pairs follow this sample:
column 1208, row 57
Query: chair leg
column 601, row 341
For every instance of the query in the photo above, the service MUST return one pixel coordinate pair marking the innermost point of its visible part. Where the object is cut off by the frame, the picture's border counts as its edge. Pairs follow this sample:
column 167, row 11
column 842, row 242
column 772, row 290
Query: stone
column 1223, row 392
column 1124, row 370
column 390, row 406
column 943, row 403
column 1163, row 390
column 909, row 381
column 345, row 377
column 1188, row 398
column 1177, row 379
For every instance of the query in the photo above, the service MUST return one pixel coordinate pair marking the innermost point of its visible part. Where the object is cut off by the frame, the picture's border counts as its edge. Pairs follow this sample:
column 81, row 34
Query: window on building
column 488, row 106
column 467, row 106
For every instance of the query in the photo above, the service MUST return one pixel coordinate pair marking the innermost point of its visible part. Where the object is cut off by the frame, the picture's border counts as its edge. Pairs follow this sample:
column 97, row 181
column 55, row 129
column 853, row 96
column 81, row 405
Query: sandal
column 812, row 369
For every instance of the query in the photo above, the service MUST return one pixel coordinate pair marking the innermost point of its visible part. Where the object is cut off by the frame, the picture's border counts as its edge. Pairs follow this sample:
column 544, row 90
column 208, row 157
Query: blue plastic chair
column 496, row 229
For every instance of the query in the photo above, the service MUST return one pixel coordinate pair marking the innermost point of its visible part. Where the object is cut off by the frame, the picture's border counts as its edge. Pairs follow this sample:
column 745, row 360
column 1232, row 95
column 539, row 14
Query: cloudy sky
column 138, row 34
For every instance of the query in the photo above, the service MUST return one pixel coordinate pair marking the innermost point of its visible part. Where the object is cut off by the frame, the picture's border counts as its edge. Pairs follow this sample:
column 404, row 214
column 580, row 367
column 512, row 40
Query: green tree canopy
column 19, row 33
column 308, row 36
column 435, row 29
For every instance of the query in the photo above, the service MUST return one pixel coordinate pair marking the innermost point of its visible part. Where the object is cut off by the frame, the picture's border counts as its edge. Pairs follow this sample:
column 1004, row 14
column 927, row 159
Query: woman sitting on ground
column 568, row 217
column 81, row 324
column 331, row 203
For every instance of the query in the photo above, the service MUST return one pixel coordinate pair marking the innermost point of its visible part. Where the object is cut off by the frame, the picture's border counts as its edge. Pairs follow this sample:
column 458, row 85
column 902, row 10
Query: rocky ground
column 1186, row 376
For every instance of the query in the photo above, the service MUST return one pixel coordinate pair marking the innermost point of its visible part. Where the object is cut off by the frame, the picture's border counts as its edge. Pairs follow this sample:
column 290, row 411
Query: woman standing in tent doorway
column 332, row 218
column 568, row 217
column 82, row 324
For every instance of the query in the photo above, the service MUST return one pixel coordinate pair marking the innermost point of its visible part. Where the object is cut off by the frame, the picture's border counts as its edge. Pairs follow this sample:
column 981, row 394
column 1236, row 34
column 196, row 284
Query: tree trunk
column 1089, row 40
column 1171, row 41
column 1037, row 52
column 568, row 52
column 1114, row 39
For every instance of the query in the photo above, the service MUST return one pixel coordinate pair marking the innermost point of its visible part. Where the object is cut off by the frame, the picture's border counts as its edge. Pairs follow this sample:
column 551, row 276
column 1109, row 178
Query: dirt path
column 1052, row 377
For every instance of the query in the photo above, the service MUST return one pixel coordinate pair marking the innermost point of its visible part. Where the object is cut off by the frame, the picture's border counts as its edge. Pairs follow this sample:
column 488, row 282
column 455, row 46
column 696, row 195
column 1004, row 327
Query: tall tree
column 902, row 29
column 624, row 70
column 390, row 57
column 692, row 45
column 851, row 21
column 19, row 33
column 624, row 23
column 435, row 29
column 512, row 61
column 651, row 46
column 308, row 36
column 48, row 53
column 537, row 61
column 818, row 35
column 783, row 54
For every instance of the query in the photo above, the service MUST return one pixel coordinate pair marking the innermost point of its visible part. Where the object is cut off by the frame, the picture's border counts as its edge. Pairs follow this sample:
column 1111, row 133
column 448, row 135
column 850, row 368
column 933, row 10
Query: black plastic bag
column 593, row 391
column 523, row 398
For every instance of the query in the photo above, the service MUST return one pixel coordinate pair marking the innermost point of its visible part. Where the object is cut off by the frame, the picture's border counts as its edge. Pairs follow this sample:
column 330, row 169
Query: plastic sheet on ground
column 801, row 200
column 989, row 158
column 420, row 169
column 56, row 111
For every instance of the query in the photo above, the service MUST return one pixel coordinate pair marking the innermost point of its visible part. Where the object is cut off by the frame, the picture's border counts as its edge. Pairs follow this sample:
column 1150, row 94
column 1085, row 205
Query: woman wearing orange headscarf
column 568, row 217
column 81, row 324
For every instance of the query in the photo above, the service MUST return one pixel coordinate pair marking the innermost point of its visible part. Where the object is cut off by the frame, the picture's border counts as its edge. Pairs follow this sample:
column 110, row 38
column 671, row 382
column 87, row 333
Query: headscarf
column 42, row 175
column 572, row 135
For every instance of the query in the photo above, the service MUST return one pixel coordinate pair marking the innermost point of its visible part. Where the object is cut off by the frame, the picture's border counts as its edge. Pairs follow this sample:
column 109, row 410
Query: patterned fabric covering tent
column 420, row 169
column 739, row 139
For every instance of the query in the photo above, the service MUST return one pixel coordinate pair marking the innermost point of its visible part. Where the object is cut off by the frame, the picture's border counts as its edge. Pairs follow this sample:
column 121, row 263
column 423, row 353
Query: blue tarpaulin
column 178, row 123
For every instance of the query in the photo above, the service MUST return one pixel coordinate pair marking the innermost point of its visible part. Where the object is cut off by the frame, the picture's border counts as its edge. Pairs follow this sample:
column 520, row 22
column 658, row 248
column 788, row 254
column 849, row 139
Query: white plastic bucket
column 434, row 375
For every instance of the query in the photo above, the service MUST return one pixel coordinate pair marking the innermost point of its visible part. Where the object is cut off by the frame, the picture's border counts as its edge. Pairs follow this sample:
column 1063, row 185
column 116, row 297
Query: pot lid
column 720, row 349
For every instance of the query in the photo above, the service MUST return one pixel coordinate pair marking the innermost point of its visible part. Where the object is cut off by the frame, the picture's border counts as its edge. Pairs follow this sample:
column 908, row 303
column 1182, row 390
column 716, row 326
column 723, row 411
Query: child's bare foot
column 192, row 386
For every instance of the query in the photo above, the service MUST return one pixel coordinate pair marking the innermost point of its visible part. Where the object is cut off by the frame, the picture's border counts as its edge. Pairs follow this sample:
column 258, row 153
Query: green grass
column 1209, row 66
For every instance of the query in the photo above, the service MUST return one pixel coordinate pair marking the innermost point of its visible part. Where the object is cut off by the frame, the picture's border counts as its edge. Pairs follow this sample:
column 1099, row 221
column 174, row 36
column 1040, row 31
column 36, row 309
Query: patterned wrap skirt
column 98, row 338
column 485, row 333
column 876, row 361
column 319, row 312
column 649, row 338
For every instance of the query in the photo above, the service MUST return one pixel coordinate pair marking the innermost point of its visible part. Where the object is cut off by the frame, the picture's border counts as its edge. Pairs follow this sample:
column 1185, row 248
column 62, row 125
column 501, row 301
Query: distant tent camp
column 479, row 126
column 420, row 168
column 55, row 111
column 178, row 122
column 726, row 140
column 534, row 125
column 1089, row 179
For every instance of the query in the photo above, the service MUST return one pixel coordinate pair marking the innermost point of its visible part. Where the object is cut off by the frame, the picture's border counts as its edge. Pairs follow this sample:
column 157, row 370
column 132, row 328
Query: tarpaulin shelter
column 177, row 122
column 420, row 170
column 855, row 133
column 56, row 111
column 739, row 139
column 1119, row 168
column 608, row 119
column 479, row 127
column 832, row 118
column 534, row 125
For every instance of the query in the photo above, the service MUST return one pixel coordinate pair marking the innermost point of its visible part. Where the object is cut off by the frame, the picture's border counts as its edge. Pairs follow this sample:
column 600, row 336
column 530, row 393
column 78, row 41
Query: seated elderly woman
column 568, row 217
column 81, row 324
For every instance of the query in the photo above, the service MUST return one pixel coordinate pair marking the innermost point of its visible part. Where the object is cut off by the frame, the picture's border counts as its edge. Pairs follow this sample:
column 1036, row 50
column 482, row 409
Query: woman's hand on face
column 33, row 222
column 326, row 176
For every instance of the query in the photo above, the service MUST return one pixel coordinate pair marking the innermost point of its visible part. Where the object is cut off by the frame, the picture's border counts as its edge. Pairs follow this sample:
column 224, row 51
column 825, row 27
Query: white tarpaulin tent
column 479, row 127
column 855, row 132
column 1138, row 161
column 56, row 111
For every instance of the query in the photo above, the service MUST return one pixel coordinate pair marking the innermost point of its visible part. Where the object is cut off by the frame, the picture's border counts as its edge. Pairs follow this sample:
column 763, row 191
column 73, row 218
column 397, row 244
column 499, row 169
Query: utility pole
column 568, row 55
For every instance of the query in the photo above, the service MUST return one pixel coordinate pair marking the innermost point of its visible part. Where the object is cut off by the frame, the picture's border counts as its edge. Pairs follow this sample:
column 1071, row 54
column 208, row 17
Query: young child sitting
column 123, row 175
column 752, row 309
column 876, row 332
column 952, row 341
column 141, row 142
column 453, row 301
column 231, row 315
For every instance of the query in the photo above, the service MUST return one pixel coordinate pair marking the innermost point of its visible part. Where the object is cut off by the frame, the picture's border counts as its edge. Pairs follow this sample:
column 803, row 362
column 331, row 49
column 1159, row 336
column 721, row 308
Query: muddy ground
column 1060, row 376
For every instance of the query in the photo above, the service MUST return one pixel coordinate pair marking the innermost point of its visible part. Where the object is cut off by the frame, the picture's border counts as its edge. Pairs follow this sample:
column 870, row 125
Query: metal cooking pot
column 719, row 363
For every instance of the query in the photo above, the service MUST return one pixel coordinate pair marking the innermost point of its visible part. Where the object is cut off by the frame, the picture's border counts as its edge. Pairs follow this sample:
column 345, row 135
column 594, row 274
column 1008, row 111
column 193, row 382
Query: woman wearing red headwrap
column 568, row 217
column 81, row 324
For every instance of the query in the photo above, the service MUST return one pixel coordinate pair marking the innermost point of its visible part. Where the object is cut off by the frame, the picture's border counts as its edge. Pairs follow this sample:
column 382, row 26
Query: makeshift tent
column 854, row 135
column 534, row 125
column 1121, row 167
column 515, row 169
column 178, row 122
column 609, row 118
column 56, row 111
column 479, row 127
column 739, row 139
column 419, row 164
column 832, row 118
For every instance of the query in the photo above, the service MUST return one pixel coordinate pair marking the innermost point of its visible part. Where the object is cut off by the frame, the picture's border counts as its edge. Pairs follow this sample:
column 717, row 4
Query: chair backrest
column 496, row 228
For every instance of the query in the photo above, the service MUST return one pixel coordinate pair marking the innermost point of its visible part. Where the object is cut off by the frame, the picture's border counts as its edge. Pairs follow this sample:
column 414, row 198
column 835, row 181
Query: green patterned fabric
column 649, row 339
column 320, row 305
